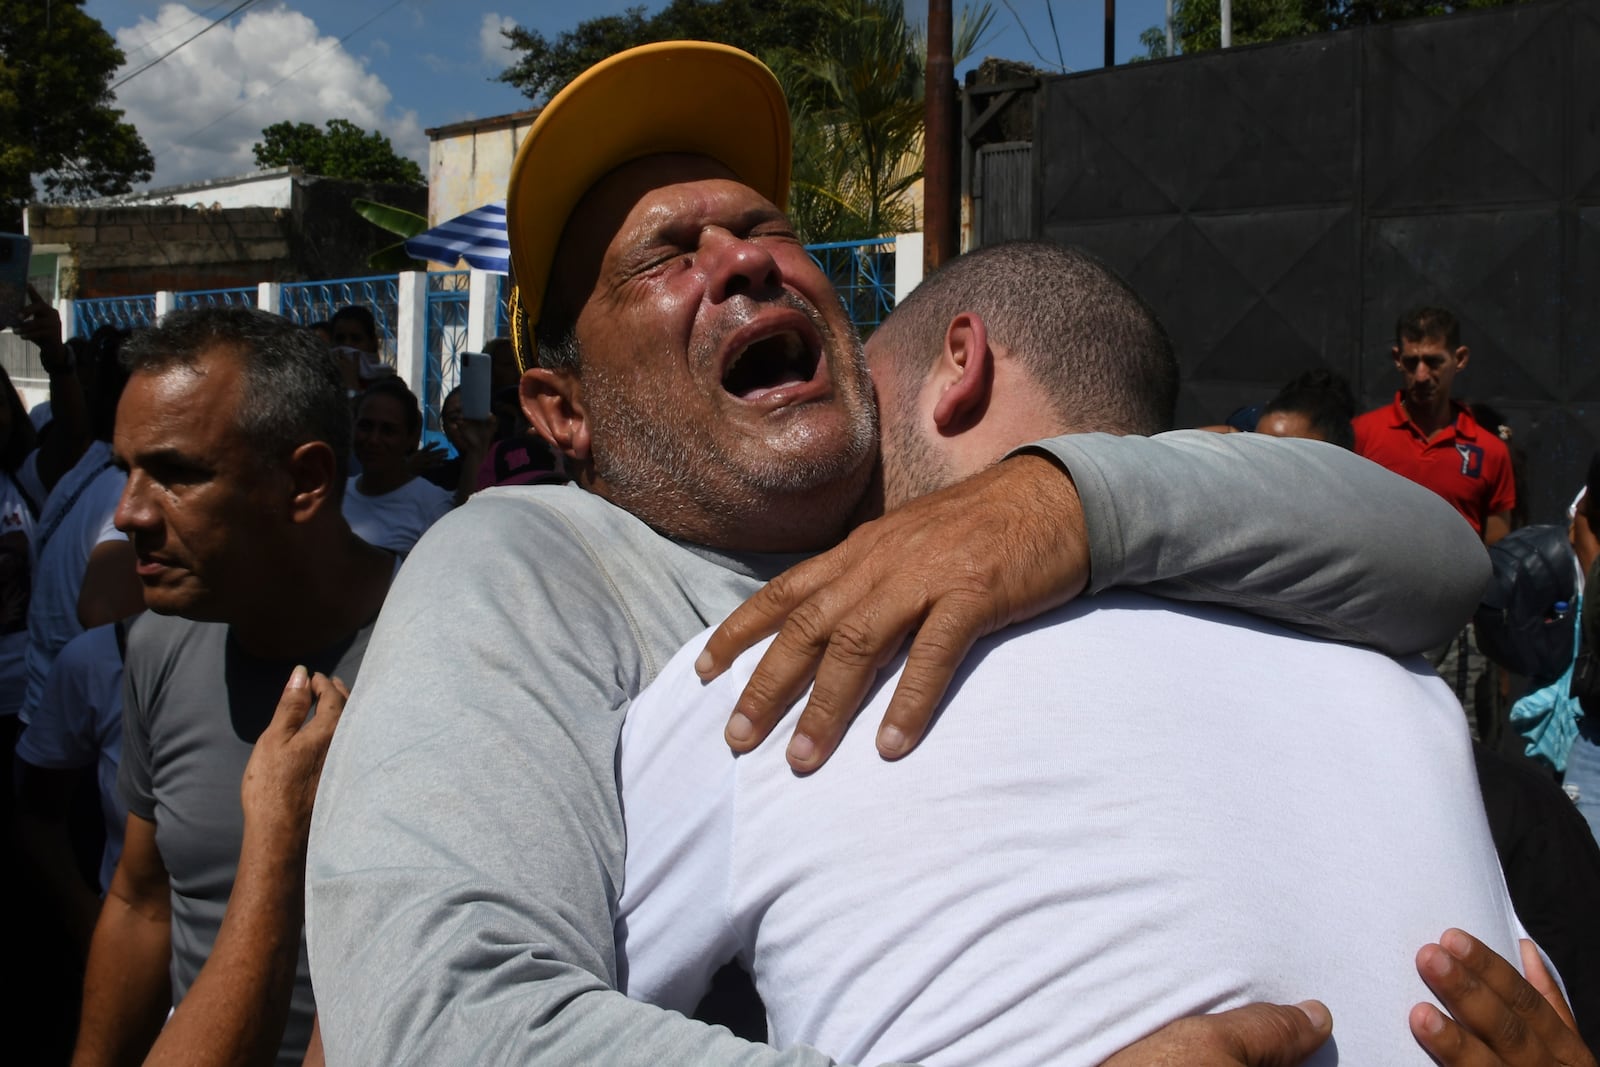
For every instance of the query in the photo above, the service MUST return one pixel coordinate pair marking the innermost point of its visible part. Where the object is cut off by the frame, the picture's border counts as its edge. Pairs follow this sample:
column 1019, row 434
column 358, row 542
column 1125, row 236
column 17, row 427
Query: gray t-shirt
column 194, row 704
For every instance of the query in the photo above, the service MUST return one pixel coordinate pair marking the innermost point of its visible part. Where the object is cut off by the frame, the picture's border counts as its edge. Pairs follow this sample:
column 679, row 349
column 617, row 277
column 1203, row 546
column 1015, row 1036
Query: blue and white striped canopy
column 479, row 237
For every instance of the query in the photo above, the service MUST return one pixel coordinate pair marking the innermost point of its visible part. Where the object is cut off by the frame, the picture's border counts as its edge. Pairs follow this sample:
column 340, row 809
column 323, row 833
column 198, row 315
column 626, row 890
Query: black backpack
column 1524, row 622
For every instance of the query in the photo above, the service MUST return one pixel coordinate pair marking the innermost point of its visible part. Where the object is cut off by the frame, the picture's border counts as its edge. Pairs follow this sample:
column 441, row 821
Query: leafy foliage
column 341, row 150
column 59, row 132
column 852, row 70
column 396, row 220
column 1197, row 25
column 767, row 29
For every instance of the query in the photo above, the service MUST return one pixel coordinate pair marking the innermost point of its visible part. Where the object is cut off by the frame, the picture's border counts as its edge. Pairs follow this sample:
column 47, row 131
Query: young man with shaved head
column 1104, row 830
column 706, row 390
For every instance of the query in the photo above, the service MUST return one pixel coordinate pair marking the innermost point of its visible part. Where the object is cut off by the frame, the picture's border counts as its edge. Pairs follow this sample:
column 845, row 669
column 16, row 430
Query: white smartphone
column 475, row 385
column 14, row 252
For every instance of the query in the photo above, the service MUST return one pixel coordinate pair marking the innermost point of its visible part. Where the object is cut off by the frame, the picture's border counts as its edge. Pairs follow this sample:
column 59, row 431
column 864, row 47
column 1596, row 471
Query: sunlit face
column 720, row 372
column 200, row 508
column 382, row 439
column 1427, row 369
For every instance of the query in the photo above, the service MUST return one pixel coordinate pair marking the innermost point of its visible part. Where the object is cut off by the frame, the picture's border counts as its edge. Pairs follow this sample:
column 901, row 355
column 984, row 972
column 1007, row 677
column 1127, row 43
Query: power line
column 126, row 78
column 148, row 46
column 250, row 100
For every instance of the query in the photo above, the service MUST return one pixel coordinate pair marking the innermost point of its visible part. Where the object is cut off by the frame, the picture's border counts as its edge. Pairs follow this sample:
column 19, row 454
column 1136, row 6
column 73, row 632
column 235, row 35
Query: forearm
column 235, row 1011
column 1300, row 532
column 127, row 990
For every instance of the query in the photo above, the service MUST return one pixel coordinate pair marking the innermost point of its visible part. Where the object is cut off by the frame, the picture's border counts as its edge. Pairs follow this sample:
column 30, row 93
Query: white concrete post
column 411, row 331
column 907, row 264
column 480, row 310
column 269, row 297
column 69, row 316
column 166, row 300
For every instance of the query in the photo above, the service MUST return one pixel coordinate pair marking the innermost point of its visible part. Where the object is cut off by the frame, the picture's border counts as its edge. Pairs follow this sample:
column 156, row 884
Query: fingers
column 1542, row 980
column 1499, row 1018
column 784, row 671
column 1256, row 1035
column 331, row 695
column 765, row 611
column 1446, row 1042
column 1277, row 1035
column 295, row 703
column 859, row 648
column 931, row 665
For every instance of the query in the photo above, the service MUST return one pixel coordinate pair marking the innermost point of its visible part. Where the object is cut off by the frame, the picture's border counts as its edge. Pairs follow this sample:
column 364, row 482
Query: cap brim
column 672, row 97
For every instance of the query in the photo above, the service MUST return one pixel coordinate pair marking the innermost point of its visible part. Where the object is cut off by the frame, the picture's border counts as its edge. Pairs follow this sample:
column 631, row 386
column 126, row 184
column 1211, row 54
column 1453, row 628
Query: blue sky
column 403, row 66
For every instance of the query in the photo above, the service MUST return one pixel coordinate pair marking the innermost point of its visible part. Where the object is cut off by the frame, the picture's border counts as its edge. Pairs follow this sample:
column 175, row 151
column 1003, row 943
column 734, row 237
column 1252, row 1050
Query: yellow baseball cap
column 689, row 97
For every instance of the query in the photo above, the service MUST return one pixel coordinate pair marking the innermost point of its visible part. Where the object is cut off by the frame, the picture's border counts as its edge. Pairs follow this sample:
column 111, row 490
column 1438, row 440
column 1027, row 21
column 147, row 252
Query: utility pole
column 1227, row 23
column 1111, row 33
column 1170, row 51
column 940, row 226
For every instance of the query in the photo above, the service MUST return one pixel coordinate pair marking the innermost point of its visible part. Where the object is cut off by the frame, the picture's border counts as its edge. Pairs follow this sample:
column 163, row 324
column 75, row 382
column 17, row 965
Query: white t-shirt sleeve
column 678, row 782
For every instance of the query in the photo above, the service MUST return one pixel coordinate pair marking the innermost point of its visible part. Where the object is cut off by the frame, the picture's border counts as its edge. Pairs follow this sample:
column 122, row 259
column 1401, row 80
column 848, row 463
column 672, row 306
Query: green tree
column 853, row 73
column 1197, row 24
column 59, row 133
column 341, row 150
column 766, row 28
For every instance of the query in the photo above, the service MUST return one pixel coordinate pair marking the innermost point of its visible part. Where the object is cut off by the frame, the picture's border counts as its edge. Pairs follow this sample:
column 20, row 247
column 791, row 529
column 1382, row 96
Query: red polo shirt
column 1465, row 464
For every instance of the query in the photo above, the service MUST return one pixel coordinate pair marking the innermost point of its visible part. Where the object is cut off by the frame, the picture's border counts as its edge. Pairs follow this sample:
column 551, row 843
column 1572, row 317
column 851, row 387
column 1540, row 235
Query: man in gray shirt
column 698, row 373
column 234, row 431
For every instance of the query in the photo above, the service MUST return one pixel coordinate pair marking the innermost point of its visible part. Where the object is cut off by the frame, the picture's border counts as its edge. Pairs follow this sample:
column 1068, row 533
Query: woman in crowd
column 387, row 504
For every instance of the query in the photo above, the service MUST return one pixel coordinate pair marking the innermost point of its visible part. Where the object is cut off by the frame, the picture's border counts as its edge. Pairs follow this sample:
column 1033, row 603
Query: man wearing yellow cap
column 697, row 371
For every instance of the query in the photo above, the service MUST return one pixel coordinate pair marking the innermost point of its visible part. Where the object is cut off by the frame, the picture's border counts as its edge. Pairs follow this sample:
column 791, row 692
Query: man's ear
column 553, row 402
column 1461, row 356
column 964, row 374
column 313, row 470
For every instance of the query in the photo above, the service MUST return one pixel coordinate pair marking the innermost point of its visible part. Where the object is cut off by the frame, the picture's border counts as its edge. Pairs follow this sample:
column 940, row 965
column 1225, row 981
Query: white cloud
column 202, row 108
column 491, row 45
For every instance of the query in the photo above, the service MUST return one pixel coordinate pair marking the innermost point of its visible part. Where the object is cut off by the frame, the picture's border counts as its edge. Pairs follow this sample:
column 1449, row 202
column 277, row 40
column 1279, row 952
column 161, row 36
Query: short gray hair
column 1093, row 346
column 293, row 391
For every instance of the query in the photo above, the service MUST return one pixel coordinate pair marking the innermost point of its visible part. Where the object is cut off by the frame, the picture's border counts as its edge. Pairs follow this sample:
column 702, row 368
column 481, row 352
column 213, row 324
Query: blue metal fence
column 863, row 273
column 449, row 295
column 123, row 312
column 308, row 302
column 244, row 296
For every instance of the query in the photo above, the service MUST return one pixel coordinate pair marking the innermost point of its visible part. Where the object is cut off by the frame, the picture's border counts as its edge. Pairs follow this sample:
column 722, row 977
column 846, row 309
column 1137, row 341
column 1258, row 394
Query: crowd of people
column 1154, row 759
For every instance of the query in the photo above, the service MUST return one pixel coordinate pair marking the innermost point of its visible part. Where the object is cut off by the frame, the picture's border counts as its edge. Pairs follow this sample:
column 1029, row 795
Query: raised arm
column 1300, row 532
column 235, row 1012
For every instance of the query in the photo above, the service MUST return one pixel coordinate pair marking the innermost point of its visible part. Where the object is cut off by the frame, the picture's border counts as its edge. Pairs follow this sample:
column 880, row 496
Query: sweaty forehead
column 650, row 195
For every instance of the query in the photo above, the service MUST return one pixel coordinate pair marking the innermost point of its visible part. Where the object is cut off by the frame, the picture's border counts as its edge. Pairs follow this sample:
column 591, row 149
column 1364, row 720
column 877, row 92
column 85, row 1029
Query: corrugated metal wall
column 1279, row 205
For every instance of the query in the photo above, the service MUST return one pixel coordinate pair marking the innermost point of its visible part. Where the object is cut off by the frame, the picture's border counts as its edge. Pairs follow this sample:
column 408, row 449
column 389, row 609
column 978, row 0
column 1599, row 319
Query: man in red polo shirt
column 1427, row 437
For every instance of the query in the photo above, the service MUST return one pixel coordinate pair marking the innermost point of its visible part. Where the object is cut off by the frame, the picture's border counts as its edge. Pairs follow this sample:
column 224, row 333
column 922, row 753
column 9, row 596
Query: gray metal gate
column 1280, row 204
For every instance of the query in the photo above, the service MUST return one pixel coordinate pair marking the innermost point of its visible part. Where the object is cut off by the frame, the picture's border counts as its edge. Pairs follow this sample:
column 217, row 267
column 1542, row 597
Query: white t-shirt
column 395, row 520
column 15, row 518
column 1129, row 811
column 75, row 519
column 78, row 723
